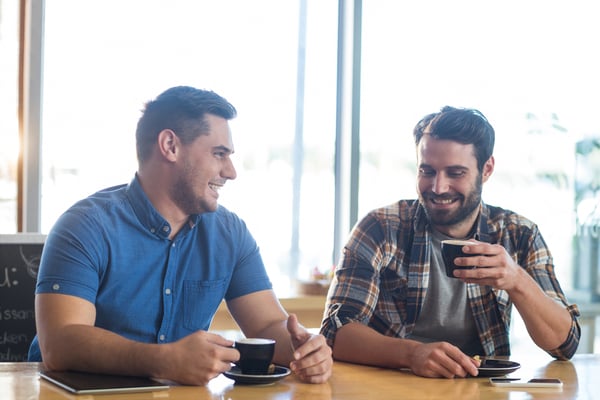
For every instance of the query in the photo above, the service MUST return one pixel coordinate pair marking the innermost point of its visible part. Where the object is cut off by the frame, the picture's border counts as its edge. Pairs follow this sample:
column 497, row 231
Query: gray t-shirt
column 446, row 314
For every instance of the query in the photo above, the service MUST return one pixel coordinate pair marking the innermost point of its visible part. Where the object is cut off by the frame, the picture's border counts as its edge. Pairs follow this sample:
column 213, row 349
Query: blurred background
column 327, row 92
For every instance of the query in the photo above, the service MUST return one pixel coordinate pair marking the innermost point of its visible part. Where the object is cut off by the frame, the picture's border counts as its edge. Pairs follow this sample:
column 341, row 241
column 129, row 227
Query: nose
column 440, row 184
column 229, row 171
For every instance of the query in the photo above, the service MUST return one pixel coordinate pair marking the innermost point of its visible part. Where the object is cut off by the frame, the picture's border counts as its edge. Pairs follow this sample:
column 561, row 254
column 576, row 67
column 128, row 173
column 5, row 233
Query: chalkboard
column 19, row 262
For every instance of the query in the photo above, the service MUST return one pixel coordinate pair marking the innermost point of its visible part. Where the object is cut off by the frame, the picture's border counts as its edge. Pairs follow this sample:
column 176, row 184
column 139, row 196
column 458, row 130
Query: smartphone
column 532, row 383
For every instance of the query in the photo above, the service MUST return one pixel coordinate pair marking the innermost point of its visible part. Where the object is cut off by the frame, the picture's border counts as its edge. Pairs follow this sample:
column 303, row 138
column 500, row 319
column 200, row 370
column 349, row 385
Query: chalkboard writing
column 19, row 262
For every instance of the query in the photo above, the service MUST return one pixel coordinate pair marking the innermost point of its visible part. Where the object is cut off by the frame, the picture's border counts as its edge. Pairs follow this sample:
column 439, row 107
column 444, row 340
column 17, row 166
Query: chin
column 437, row 217
column 210, row 208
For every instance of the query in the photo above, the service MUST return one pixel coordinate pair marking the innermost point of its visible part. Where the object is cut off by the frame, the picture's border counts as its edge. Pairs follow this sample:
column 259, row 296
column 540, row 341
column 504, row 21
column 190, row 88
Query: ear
column 167, row 144
column 488, row 169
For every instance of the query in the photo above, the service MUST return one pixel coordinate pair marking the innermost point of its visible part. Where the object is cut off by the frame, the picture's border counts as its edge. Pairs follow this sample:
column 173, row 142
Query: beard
column 186, row 198
column 470, row 203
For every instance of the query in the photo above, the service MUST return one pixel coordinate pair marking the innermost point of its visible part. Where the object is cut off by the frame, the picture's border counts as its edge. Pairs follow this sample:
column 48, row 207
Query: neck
column 157, row 191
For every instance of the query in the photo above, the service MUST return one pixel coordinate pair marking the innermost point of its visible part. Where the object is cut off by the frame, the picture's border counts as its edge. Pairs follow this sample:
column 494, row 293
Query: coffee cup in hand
column 452, row 249
column 256, row 355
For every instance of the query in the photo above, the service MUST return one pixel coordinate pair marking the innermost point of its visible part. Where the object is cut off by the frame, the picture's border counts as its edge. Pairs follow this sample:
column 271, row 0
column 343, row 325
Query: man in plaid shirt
column 391, row 304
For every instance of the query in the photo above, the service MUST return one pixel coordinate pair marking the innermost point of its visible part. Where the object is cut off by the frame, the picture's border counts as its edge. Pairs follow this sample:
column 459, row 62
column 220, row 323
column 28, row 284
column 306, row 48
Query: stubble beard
column 449, row 218
column 184, row 196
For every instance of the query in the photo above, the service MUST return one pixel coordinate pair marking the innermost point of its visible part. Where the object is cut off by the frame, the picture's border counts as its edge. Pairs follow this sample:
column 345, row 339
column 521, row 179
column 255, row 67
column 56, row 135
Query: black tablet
column 88, row 383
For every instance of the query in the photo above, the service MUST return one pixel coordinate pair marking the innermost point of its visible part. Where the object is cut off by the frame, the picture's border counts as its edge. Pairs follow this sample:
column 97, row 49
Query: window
column 109, row 57
column 9, row 129
column 526, row 65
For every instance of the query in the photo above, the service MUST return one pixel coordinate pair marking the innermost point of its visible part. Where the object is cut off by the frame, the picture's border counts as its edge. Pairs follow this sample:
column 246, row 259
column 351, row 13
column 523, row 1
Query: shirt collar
column 147, row 214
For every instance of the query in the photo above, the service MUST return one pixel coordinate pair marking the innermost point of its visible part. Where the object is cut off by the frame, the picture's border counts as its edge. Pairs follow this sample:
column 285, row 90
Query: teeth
column 442, row 201
column 214, row 187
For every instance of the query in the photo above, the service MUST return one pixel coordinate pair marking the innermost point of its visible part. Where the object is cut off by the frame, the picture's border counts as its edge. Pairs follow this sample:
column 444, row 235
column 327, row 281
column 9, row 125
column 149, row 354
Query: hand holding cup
column 452, row 249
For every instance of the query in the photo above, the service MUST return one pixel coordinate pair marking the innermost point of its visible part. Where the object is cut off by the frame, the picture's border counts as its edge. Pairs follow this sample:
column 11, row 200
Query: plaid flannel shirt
column 381, row 279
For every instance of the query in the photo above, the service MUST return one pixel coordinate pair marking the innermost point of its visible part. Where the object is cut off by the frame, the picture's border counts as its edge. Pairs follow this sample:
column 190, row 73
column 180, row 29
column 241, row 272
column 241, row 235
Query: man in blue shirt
column 132, row 276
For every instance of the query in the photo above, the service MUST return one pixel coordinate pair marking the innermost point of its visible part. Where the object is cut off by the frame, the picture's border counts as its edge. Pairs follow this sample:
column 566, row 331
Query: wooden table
column 581, row 377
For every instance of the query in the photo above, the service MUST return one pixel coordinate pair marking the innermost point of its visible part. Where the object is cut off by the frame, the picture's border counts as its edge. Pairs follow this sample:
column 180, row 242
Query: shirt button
column 56, row 286
column 165, row 228
column 161, row 338
column 167, row 291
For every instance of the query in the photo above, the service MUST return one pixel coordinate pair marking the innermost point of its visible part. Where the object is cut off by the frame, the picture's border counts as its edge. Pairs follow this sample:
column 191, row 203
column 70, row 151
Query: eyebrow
column 223, row 148
column 461, row 167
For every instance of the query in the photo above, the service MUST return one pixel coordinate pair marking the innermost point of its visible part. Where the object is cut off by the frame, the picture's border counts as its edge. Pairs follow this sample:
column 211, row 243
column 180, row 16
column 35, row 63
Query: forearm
column 383, row 351
column 547, row 321
column 88, row 348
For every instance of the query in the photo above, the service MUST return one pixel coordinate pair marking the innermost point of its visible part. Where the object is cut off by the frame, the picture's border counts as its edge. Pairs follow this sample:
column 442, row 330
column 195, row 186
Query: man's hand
column 547, row 320
column 494, row 267
column 312, row 356
column 197, row 358
column 441, row 359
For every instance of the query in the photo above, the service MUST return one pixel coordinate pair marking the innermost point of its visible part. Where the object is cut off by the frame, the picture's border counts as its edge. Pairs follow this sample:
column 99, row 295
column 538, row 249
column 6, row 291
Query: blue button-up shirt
column 112, row 249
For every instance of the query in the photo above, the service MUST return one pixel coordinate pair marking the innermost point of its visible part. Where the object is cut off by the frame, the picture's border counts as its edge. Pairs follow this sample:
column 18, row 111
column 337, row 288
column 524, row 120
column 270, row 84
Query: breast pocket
column 200, row 302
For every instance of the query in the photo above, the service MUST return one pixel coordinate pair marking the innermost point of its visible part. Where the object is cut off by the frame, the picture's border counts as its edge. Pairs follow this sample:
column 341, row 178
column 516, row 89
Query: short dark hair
column 182, row 109
column 463, row 125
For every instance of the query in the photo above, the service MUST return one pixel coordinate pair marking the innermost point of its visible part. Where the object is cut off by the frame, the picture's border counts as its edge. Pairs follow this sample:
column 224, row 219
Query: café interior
column 327, row 94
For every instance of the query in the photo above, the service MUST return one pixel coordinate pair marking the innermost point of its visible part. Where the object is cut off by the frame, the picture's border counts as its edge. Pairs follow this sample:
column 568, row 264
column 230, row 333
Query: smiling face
column 203, row 168
column 449, row 184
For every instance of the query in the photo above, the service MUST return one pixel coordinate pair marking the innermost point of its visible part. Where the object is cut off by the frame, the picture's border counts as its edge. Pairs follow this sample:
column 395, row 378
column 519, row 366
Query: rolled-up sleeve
column 354, row 291
column 352, row 297
column 566, row 350
column 541, row 267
